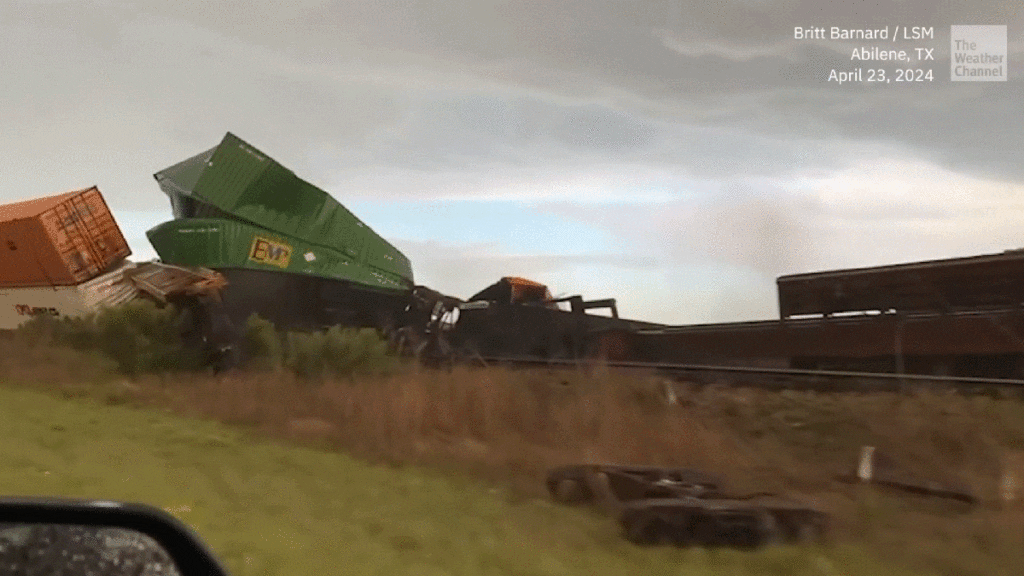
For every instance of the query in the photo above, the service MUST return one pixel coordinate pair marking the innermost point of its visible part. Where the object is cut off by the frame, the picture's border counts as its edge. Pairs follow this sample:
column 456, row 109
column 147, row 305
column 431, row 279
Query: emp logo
column 266, row 251
column 26, row 310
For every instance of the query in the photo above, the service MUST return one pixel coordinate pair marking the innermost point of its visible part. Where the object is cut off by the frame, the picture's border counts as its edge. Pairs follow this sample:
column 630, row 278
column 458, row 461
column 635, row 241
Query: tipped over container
column 60, row 240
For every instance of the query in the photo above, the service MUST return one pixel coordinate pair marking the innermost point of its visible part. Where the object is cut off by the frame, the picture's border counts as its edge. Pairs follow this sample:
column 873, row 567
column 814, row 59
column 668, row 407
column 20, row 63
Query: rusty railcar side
column 972, row 344
column 990, row 281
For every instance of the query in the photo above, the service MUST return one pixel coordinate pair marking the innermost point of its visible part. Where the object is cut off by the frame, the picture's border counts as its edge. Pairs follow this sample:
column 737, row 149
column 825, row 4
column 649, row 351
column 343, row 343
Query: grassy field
column 441, row 472
column 269, row 508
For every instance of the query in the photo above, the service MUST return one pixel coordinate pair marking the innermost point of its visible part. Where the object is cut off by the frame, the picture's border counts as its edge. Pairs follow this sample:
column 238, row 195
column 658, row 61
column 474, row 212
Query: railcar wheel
column 769, row 532
column 647, row 529
column 570, row 491
column 567, row 485
column 807, row 531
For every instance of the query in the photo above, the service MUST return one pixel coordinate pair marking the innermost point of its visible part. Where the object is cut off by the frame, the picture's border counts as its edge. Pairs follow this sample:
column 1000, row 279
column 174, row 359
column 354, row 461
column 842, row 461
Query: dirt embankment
column 511, row 426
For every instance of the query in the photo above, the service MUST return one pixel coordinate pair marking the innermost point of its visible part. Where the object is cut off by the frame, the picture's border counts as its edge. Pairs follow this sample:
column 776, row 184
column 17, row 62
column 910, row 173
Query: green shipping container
column 238, row 190
column 220, row 243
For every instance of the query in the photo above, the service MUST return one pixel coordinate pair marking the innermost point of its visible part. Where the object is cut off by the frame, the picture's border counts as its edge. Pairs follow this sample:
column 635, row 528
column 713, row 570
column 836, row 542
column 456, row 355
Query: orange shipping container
column 59, row 240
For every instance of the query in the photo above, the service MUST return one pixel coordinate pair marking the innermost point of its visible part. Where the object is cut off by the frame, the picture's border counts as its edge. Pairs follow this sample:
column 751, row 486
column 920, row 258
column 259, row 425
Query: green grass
column 269, row 508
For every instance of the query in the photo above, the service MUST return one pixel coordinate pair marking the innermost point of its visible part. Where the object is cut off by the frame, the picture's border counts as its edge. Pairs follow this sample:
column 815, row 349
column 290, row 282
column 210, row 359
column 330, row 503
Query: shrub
column 314, row 355
column 40, row 330
column 337, row 352
column 139, row 336
column 261, row 344
column 356, row 351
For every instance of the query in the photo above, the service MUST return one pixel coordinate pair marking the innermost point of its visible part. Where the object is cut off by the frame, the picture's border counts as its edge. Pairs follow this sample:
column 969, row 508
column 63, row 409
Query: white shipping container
column 18, row 305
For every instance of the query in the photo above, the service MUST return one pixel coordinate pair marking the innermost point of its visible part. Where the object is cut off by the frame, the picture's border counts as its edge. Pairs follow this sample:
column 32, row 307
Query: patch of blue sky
column 133, row 225
column 513, row 226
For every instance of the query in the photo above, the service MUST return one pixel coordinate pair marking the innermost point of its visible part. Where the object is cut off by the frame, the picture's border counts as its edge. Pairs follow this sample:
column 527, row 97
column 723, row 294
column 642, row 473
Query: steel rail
column 1005, row 382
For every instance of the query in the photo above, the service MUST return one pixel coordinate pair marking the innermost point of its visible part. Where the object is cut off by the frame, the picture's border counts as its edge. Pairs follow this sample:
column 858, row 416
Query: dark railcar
column 518, row 318
column 976, row 344
column 993, row 281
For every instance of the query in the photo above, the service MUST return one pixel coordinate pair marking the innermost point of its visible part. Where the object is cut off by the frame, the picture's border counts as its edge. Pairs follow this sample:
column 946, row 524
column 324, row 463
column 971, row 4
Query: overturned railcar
column 290, row 252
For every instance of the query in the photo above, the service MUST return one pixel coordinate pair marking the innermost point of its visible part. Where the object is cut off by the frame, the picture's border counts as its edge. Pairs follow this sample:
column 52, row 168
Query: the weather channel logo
column 977, row 53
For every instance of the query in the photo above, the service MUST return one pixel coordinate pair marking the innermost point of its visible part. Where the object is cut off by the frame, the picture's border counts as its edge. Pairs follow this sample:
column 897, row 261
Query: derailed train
column 249, row 236
column 295, row 256
column 292, row 254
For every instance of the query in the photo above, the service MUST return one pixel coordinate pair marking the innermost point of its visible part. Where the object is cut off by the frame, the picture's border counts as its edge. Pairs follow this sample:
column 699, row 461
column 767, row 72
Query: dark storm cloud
column 447, row 85
column 461, row 129
column 732, row 64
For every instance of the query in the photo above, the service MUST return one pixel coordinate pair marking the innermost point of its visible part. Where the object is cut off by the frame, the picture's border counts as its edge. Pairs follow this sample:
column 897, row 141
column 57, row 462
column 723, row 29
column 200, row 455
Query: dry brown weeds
column 509, row 427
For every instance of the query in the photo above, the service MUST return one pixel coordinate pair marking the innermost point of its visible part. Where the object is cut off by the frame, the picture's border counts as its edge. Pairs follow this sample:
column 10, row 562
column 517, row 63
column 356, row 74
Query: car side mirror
column 68, row 536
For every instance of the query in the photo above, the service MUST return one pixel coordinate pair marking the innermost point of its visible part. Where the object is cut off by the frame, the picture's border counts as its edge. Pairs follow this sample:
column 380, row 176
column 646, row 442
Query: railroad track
column 791, row 378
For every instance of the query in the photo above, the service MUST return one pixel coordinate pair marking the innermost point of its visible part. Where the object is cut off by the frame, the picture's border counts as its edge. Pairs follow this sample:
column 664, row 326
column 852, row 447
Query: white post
column 670, row 393
column 867, row 454
column 1009, row 484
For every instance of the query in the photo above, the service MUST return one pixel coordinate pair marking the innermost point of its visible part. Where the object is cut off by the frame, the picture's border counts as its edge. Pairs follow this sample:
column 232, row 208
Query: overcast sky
column 676, row 156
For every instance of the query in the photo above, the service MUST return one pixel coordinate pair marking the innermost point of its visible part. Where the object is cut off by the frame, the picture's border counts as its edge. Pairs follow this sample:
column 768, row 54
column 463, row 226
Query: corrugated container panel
column 59, row 240
column 218, row 243
column 180, row 179
column 111, row 289
column 279, row 200
column 245, row 183
column 161, row 280
column 230, row 174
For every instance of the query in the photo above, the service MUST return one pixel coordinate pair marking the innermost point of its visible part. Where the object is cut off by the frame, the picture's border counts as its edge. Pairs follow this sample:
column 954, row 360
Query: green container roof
column 236, row 178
